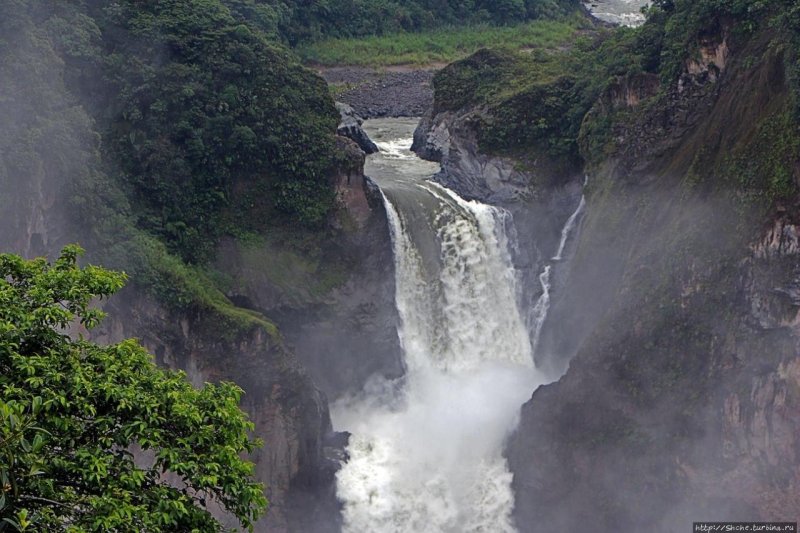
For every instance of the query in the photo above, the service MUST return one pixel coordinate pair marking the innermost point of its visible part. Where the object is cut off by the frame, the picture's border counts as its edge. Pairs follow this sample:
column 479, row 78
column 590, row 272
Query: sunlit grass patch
column 442, row 45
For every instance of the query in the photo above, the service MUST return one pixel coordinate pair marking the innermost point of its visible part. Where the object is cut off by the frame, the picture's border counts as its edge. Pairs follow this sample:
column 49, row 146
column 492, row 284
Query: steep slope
column 680, row 403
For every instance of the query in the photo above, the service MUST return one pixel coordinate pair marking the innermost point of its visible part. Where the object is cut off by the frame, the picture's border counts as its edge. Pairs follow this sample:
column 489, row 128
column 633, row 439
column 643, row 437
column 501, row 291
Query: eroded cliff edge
column 677, row 314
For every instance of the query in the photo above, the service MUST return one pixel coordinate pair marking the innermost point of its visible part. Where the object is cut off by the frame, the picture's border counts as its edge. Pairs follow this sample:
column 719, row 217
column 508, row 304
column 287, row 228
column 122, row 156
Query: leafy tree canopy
column 97, row 438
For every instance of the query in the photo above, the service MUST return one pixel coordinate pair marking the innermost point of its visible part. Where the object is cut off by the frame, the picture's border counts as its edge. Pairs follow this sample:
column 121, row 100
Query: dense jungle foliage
column 87, row 121
column 204, row 124
column 199, row 105
column 297, row 21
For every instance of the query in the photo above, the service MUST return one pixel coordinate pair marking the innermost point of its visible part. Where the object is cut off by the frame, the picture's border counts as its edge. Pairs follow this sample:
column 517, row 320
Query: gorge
column 565, row 295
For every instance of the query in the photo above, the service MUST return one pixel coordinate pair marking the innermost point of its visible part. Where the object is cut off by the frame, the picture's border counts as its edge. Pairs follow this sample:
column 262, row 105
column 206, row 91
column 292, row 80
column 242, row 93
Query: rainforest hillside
column 542, row 100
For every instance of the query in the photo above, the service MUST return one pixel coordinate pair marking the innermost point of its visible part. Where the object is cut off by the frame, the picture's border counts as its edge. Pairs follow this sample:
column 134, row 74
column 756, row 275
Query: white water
column 623, row 12
column 426, row 451
column 542, row 307
column 426, row 454
column 568, row 227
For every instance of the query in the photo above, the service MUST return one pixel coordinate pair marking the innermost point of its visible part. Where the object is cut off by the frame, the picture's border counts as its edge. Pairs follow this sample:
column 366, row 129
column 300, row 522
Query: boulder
column 350, row 127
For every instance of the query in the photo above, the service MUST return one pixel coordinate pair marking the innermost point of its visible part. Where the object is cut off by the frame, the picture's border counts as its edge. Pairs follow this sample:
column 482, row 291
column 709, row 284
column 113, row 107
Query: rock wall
column 290, row 414
column 449, row 138
column 335, row 307
column 681, row 402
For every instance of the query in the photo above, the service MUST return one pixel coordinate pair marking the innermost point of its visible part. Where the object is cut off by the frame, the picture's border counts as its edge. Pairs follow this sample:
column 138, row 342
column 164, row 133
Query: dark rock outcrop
column 350, row 127
column 449, row 138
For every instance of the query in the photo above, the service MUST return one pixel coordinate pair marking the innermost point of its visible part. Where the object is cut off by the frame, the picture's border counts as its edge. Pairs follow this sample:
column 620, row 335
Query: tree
column 98, row 438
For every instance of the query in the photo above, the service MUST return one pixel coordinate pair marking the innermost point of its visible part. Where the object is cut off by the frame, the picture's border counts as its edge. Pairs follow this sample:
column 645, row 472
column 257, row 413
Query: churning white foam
column 426, row 453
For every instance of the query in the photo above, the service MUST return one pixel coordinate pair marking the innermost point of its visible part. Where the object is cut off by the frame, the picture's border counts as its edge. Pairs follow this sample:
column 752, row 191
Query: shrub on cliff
column 73, row 413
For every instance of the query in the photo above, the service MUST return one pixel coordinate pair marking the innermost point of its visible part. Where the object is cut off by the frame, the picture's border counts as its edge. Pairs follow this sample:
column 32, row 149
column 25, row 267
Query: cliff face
column 449, row 138
column 675, row 316
column 681, row 403
column 290, row 414
column 333, row 297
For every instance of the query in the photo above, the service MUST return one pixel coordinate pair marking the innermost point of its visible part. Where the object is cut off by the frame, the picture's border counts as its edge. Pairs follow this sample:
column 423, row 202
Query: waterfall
column 426, row 452
column 567, row 229
column 542, row 307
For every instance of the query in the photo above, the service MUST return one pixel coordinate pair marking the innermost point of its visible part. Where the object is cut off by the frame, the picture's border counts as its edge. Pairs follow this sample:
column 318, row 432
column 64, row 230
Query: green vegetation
column 765, row 166
column 72, row 414
column 185, row 288
column 48, row 138
column 202, row 110
column 199, row 114
column 539, row 99
column 298, row 21
column 442, row 45
column 540, row 102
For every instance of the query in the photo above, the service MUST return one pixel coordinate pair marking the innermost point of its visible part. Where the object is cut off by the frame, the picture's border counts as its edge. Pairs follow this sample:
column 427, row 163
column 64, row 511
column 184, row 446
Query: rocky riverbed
column 390, row 92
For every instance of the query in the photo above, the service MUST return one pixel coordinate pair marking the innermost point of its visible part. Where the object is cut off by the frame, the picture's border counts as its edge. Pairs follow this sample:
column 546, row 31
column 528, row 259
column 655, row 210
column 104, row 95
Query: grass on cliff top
column 443, row 45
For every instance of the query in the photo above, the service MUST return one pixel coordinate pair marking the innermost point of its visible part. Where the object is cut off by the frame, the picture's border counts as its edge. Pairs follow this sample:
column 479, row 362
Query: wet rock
column 350, row 127
column 373, row 193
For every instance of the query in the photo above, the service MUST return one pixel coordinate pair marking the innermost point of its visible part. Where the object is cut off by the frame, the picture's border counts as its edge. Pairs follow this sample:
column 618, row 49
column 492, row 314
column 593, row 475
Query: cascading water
column 542, row 307
column 426, row 454
column 568, row 228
